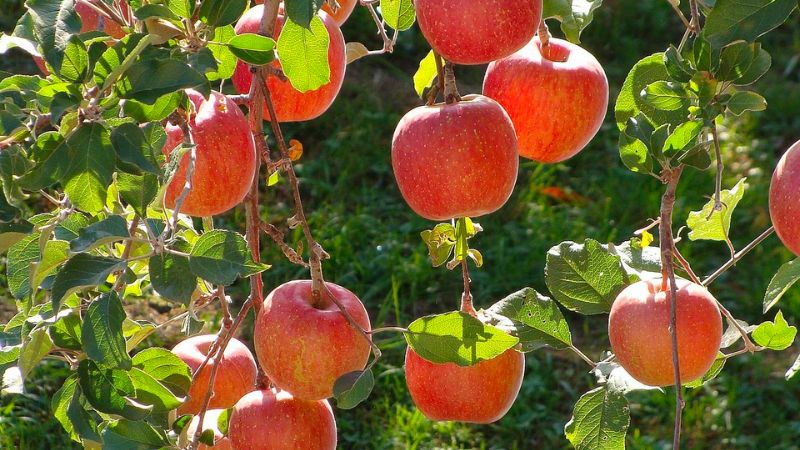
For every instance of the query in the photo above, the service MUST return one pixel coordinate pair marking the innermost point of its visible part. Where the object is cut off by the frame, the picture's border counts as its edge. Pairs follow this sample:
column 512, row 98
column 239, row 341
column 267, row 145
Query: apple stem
column 451, row 94
column 544, row 39
column 466, row 297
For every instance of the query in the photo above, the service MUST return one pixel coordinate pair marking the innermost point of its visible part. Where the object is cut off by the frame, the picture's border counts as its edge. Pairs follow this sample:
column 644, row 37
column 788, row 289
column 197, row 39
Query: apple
column 784, row 199
column 304, row 347
column 478, row 31
column 276, row 420
column 346, row 8
column 290, row 104
column 557, row 101
column 638, row 328
column 210, row 422
column 236, row 374
column 456, row 160
column 91, row 19
column 225, row 162
column 482, row 393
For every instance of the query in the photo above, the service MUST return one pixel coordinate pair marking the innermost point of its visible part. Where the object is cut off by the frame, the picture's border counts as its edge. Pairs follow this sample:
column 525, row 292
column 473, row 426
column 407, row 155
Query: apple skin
column 290, row 104
column 225, row 163
column 478, row 31
column 210, row 421
column 275, row 420
column 236, row 375
column 482, row 393
column 784, row 199
column 90, row 19
column 457, row 160
column 557, row 105
column 304, row 348
column 341, row 15
column 638, row 328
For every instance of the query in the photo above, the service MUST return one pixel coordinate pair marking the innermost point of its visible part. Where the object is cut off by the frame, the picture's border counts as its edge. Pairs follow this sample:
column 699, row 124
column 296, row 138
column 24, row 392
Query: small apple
column 482, row 393
column 275, row 420
column 290, row 104
column 784, row 199
column 478, row 31
column 304, row 347
column 638, row 328
column 557, row 101
column 456, row 160
column 225, row 162
column 210, row 422
column 235, row 377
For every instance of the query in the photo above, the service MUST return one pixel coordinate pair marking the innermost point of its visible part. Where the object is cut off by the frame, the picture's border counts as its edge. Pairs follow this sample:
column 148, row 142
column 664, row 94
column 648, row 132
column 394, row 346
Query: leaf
column 152, row 393
column 154, row 10
column 746, row 101
column 630, row 103
column 135, row 332
column 253, row 48
column 221, row 257
column 139, row 146
column 353, row 388
column 66, row 332
column 137, row 191
column 711, row 373
column 777, row 335
column 149, row 79
column 302, row 11
column 69, row 412
column 457, row 337
column 133, row 435
column 168, row 275
column 398, row 14
column 600, row 421
column 760, row 66
column 75, row 65
column 165, row 367
column 91, row 159
column 54, row 254
column 355, row 51
column 636, row 260
column 574, row 15
column 107, row 230
column 182, row 8
column 786, row 277
column 221, row 12
column 441, row 241
column 666, row 95
column 683, row 138
column 102, row 332
column 54, row 23
column 34, row 347
column 425, row 74
column 585, row 278
column 534, row 318
column 713, row 225
column 304, row 54
column 80, row 271
column 108, row 390
column 161, row 108
column 226, row 60
column 18, row 269
column 635, row 154
column 732, row 20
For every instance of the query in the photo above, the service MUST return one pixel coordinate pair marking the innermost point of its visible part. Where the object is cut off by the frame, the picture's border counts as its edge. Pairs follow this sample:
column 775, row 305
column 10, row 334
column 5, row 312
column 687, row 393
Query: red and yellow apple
column 210, row 422
column 225, row 162
column 456, row 160
column 784, row 199
column 638, row 328
column 557, row 102
column 94, row 21
column 303, row 346
column 292, row 105
column 236, row 375
column 481, row 393
column 478, row 31
column 275, row 420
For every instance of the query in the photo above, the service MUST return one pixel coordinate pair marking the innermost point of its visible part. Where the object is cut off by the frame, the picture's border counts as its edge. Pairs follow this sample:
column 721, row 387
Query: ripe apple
column 557, row 102
column 225, row 161
column 346, row 8
column 638, row 328
column 236, row 374
column 456, row 160
column 292, row 105
column 210, row 422
column 275, row 420
column 91, row 19
column 481, row 393
column 784, row 199
column 478, row 31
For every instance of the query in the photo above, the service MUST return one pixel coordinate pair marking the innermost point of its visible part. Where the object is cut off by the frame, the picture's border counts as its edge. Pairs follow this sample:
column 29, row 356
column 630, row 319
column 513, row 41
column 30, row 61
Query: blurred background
column 358, row 215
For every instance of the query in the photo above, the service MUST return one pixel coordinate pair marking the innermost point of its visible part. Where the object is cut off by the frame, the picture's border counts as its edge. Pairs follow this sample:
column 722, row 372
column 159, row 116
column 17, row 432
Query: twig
column 739, row 255
column 364, row 333
column 585, row 358
column 223, row 303
column 387, row 330
column 388, row 43
column 126, row 252
column 277, row 235
column 678, row 11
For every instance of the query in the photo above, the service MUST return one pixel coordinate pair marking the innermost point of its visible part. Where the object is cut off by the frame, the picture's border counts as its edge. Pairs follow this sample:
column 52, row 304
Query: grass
column 358, row 215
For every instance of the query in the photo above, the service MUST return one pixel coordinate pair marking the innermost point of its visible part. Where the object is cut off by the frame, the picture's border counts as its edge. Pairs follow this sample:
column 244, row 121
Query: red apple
column 236, row 374
column 638, row 328
column 346, row 8
column 210, row 422
column 784, row 199
column 91, row 19
column 456, row 160
column 481, row 393
column 270, row 420
column 478, row 31
column 292, row 105
column 304, row 347
column 225, row 161
column 557, row 102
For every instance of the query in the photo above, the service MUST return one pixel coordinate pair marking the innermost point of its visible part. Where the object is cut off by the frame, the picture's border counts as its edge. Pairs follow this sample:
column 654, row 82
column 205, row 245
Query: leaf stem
column 739, row 255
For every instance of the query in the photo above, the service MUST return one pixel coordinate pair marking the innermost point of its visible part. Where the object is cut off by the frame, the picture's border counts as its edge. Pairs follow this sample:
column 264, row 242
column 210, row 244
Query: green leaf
column 109, row 390
column 102, row 332
column 66, row 332
column 149, row 79
column 777, row 335
column 426, row 74
column 253, row 48
column 683, row 138
column 732, row 20
column 55, row 253
column 221, row 12
column 676, row 66
column 35, row 346
column 712, row 373
column 635, row 154
column 302, row 11
column 353, row 388
column 715, row 225
column 457, row 337
column 760, row 65
column 574, row 15
column 666, row 95
column 226, row 60
column 441, row 241
column 304, row 54
column 139, row 146
column 181, row 8
column 54, row 23
column 585, row 278
column 150, row 392
column 91, row 159
column 108, row 230
column 154, row 10
column 75, row 65
column 80, row 271
column 785, row 278
column 133, row 435
column 746, row 101
column 221, row 257
column 69, row 412
column 159, row 110
column 18, row 269
column 165, row 367
column 169, row 277
column 398, row 14
column 600, row 421
column 534, row 318
column 630, row 103
column 137, row 191
column 637, row 261
column 135, row 332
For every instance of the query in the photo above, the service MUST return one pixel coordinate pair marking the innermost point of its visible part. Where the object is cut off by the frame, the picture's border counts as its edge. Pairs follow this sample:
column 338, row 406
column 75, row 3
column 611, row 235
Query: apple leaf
column 35, row 346
column 304, row 54
column 441, row 241
column 355, row 51
column 223, row 256
column 102, row 332
column 713, row 225
column 534, row 318
column 786, row 277
column 165, row 367
column 711, row 373
column 302, row 11
column 777, row 335
column 425, row 74
column 221, row 12
column 100, row 233
column 600, row 420
column 54, row 24
column 353, row 388
column 743, row 101
column 638, row 261
column 574, row 15
column 253, row 48
column 168, row 275
column 129, row 434
column 69, row 412
column 82, row 270
column 108, row 390
column 18, row 268
column 666, row 95
column 732, row 20
column 398, row 14
column 630, row 102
